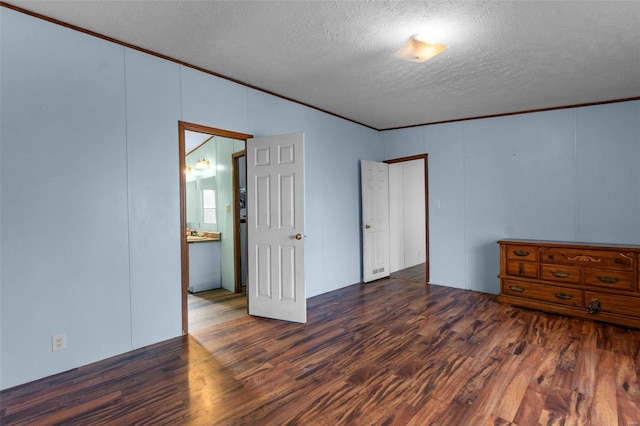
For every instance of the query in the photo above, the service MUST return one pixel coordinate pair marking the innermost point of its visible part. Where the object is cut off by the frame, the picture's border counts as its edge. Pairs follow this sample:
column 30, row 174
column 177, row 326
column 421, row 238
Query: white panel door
column 375, row 220
column 275, row 202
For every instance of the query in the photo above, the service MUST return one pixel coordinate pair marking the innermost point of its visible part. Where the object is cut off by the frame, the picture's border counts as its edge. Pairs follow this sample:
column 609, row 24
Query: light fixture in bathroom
column 188, row 170
column 203, row 164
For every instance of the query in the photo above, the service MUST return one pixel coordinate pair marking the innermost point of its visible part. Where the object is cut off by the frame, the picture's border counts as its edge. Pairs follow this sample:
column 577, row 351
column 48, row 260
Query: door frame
column 424, row 157
column 184, row 248
column 237, row 244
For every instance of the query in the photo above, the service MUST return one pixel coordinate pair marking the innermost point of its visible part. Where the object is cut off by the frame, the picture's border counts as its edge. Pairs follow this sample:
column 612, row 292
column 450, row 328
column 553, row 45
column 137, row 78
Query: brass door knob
column 298, row 236
column 367, row 226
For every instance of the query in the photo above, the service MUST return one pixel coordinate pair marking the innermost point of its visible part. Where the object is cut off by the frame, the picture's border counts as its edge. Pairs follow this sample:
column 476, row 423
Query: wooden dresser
column 586, row 280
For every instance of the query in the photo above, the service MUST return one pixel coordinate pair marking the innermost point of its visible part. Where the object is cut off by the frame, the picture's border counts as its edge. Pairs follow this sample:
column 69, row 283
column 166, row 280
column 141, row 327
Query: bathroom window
column 209, row 205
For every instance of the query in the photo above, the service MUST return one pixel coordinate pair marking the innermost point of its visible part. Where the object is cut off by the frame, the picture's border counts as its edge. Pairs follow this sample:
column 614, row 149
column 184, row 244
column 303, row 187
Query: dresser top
column 634, row 247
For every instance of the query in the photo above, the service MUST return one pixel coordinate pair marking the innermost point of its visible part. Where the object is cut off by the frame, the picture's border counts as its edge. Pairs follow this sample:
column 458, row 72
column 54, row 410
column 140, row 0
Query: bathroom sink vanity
column 204, row 263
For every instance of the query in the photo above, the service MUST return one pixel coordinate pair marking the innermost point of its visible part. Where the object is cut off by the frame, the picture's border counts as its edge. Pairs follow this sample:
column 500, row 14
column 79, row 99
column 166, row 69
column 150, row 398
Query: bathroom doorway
column 218, row 216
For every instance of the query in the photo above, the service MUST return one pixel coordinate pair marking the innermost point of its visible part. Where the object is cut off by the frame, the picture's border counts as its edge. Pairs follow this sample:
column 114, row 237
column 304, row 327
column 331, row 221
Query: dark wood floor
column 390, row 352
column 414, row 273
column 214, row 307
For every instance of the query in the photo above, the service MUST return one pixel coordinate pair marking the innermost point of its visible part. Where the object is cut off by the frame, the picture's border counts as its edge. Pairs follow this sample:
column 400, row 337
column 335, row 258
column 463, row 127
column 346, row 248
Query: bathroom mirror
column 208, row 181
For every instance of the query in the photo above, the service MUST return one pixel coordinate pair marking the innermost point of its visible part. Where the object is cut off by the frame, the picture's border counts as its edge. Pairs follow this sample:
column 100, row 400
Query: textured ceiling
column 338, row 56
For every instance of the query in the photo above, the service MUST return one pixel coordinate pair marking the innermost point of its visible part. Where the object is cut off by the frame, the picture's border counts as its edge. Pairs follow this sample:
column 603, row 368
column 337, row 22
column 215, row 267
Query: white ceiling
column 338, row 55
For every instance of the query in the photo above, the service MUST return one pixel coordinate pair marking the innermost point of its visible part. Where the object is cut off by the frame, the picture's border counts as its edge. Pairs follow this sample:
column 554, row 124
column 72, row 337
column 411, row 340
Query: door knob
column 367, row 226
column 298, row 236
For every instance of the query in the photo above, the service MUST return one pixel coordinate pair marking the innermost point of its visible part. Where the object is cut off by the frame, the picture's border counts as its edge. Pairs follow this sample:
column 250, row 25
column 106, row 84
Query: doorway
column 219, row 208
column 415, row 226
column 239, row 173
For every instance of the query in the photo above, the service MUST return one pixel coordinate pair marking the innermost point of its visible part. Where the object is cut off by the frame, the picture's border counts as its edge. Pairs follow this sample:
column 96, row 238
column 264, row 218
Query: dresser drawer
column 528, row 253
column 611, row 303
column 560, row 273
column 609, row 278
column 588, row 258
column 546, row 293
column 522, row 269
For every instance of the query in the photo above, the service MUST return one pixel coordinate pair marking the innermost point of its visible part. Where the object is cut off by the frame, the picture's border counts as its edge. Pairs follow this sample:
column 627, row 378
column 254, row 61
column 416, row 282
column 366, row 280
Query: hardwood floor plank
column 483, row 372
column 452, row 375
column 416, row 273
column 392, row 352
column 584, row 379
column 550, row 418
column 517, row 382
column 579, row 410
column 605, row 401
column 628, row 411
column 213, row 307
column 402, row 416
column 531, row 405
column 430, row 413
column 546, row 368
column 556, row 406
column 627, row 382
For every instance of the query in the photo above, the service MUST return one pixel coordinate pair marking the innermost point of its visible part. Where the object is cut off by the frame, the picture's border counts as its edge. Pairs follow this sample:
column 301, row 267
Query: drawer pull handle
column 563, row 296
column 594, row 306
column 619, row 261
column 560, row 274
column 609, row 280
column 516, row 288
column 521, row 253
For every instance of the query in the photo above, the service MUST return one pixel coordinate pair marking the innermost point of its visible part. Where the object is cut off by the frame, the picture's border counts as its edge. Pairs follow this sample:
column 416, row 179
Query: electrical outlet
column 59, row 342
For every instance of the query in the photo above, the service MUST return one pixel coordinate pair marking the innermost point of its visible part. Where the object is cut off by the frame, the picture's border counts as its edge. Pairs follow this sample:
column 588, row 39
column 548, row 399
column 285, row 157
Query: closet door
column 375, row 220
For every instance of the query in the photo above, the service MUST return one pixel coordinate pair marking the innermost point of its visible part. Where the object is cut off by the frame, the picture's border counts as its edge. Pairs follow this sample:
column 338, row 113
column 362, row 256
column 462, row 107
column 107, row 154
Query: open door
column 375, row 220
column 275, row 227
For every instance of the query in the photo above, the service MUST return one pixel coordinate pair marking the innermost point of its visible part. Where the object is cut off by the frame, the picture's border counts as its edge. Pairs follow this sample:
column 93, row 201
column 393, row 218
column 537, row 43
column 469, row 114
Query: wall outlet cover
column 59, row 342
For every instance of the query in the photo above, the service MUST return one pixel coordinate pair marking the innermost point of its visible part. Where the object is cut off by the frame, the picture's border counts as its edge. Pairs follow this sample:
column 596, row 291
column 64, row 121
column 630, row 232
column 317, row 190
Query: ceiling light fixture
column 419, row 51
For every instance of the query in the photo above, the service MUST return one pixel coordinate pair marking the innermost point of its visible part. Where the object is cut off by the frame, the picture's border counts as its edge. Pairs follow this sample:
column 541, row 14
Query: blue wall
column 89, row 191
column 569, row 174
